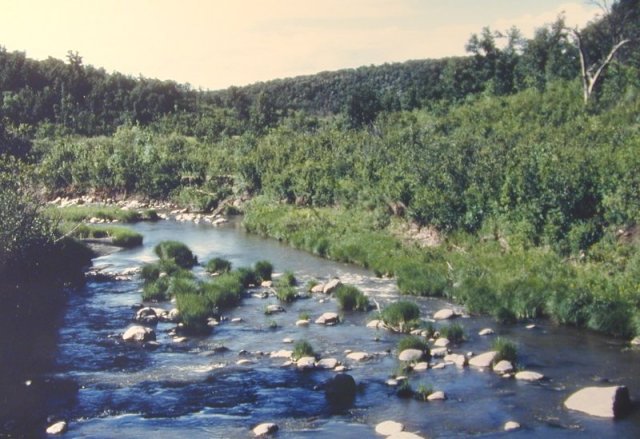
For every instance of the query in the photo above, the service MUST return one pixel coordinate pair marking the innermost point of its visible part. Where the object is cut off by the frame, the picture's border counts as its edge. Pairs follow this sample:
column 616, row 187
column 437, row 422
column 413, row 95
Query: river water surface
column 106, row 388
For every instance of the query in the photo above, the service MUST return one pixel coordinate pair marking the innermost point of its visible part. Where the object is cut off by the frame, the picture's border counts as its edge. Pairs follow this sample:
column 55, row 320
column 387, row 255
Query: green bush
column 177, row 252
column 286, row 294
column 246, row 276
column 224, row 291
column 351, row 298
column 301, row 349
column 218, row 265
column 400, row 315
column 506, row 350
column 156, row 290
column 288, row 279
column 454, row 332
column 263, row 270
column 194, row 312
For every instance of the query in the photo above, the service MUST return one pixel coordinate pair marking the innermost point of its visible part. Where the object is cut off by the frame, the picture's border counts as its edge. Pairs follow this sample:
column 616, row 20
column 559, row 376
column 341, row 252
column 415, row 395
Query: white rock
column 531, row 326
column 388, row 428
column 442, row 342
column 281, row 354
column 392, row 382
column 483, row 360
column 57, row 428
column 410, row 355
column 244, row 362
column 139, row 334
column 179, row 339
column 376, row 324
column 437, row 396
column 439, row 352
column 287, row 340
column 486, row 331
column 317, row 288
column 271, row 309
column 306, row 363
column 236, row 320
column 266, row 284
column 438, row 366
column 421, row 367
column 511, row 425
column 265, row 429
column 331, row 286
column 457, row 359
column 529, row 376
column 328, row 318
column 358, row 356
column 605, row 402
column 302, row 322
column 635, row 341
column 327, row 363
column 503, row 367
column 340, row 368
column 444, row 314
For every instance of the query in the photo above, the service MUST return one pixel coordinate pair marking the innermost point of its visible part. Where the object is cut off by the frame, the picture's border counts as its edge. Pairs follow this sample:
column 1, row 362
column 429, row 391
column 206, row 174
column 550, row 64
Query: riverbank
column 486, row 274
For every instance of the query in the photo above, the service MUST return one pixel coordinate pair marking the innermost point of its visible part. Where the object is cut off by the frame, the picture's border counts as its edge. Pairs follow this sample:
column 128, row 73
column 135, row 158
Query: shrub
column 177, row 252
column 263, row 270
column 156, row 290
column 151, row 271
column 399, row 314
column 287, row 294
column 225, row 291
column 352, row 299
column 246, row 276
column 506, row 350
column 194, row 311
column 288, row 279
column 218, row 265
column 301, row 349
column 454, row 332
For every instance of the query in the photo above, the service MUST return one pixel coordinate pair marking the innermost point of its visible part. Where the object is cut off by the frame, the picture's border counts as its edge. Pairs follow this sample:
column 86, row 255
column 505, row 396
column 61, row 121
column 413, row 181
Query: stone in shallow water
column 328, row 318
column 302, row 322
column 437, row 396
column 503, row 367
column 483, row 360
column 421, row 367
column 605, row 402
column 410, row 355
column 306, row 363
column 486, row 331
column 265, row 429
column 511, row 425
column 57, row 428
column 331, row 286
column 457, row 359
column 442, row 342
column 139, row 334
column 526, row 375
column 444, row 314
column 388, row 428
column 327, row 363
column 358, row 356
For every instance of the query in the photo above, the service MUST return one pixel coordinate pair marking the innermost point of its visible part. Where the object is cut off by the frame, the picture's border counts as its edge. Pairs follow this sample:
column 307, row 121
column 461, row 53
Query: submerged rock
column 340, row 390
column 272, row 309
column 486, row 331
column 139, row 333
column 303, row 322
column 605, row 402
column 317, row 288
column 387, row 428
column 265, row 429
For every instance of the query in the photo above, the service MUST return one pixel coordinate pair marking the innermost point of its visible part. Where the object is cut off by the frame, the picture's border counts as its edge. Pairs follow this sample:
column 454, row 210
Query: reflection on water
column 86, row 375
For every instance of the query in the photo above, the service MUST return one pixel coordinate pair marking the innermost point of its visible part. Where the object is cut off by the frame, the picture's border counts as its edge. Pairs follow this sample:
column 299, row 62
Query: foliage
column 194, row 311
column 351, row 298
column 454, row 332
column 301, row 349
column 120, row 236
column 177, row 252
column 286, row 294
column 400, row 314
column 263, row 270
column 218, row 265
column 80, row 213
column 413, row 342
column 246, row 276
column 506, row 350
column 288, row 279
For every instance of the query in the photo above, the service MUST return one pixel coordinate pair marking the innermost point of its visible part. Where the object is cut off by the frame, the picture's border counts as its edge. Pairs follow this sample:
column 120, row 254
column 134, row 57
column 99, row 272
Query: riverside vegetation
column 529, row 189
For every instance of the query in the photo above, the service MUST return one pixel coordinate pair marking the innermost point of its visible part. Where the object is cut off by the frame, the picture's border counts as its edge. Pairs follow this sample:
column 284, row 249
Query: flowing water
column 106, row 388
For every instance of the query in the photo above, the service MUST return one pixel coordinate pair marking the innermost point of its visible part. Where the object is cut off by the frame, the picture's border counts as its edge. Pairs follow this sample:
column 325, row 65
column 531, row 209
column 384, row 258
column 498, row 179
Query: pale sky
column 218, row 43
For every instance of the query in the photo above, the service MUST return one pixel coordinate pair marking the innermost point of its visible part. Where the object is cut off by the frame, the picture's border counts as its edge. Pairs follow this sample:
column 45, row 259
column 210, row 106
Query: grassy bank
column 488, row 273
column 106, row 213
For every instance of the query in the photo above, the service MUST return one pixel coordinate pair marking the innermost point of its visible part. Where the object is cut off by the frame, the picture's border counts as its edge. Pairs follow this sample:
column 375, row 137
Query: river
column 106, row 388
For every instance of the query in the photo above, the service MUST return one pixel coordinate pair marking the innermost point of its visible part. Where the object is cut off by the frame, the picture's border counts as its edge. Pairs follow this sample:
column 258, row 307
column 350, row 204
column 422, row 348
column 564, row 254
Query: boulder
column 340, row 390
column 635, row 341
column 442, row 342
column 272, row 309
column 486, row 331
column 388, row 428
column 526, row 375
column 444, row 314
column 457, row 359
column 511, row 425
column 421, row 367
column 411, row 355
column 306, row 363
column 139, row 334
column 266, row 284
column 328, row 318
column 404, row 435
column 317, row 288
column 331, row 286
column 265, row 429
column 502, row 367
column 173, row 315
column 605, row 402
column 358, row 356
column 147, row 315
column 437, row 396
column 57, row 428
column 302, row 322
column 281, row 354
column 483, row 360
column 327, row 363
column 439, row 352
column 376, row 324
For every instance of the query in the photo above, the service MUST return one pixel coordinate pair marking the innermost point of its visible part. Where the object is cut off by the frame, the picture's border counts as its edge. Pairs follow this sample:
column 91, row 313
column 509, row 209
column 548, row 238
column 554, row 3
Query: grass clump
column 454, row 332
column 301, row 349
column 218, row 265
column 287, row 294
column 223, row 292
column 120, row 236
column 246, row 276
column 506, row 350
column 400, row 315
column 106, row 213
column 288, row 279
column 413, row 342
column 194, row 312
column 263, row 270
column 423, row 392
column 177, row 252
column 420, row 279
column 351, row 298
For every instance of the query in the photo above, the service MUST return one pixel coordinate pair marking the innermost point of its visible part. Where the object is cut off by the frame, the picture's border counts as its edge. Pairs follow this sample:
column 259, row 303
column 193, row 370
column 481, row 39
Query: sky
column 213, row 44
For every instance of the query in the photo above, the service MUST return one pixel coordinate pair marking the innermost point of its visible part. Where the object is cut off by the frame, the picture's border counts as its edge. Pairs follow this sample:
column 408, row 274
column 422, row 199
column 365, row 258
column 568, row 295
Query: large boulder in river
column 388, row 428
column 139, row 333
column 483, row 360
column 331, row 286
column 147, row 315
column 410, row 355
column 340, row 390
column 57, row 428
column 328, row 318
column 265, row 428
column 605, row 402
column 445, row 314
